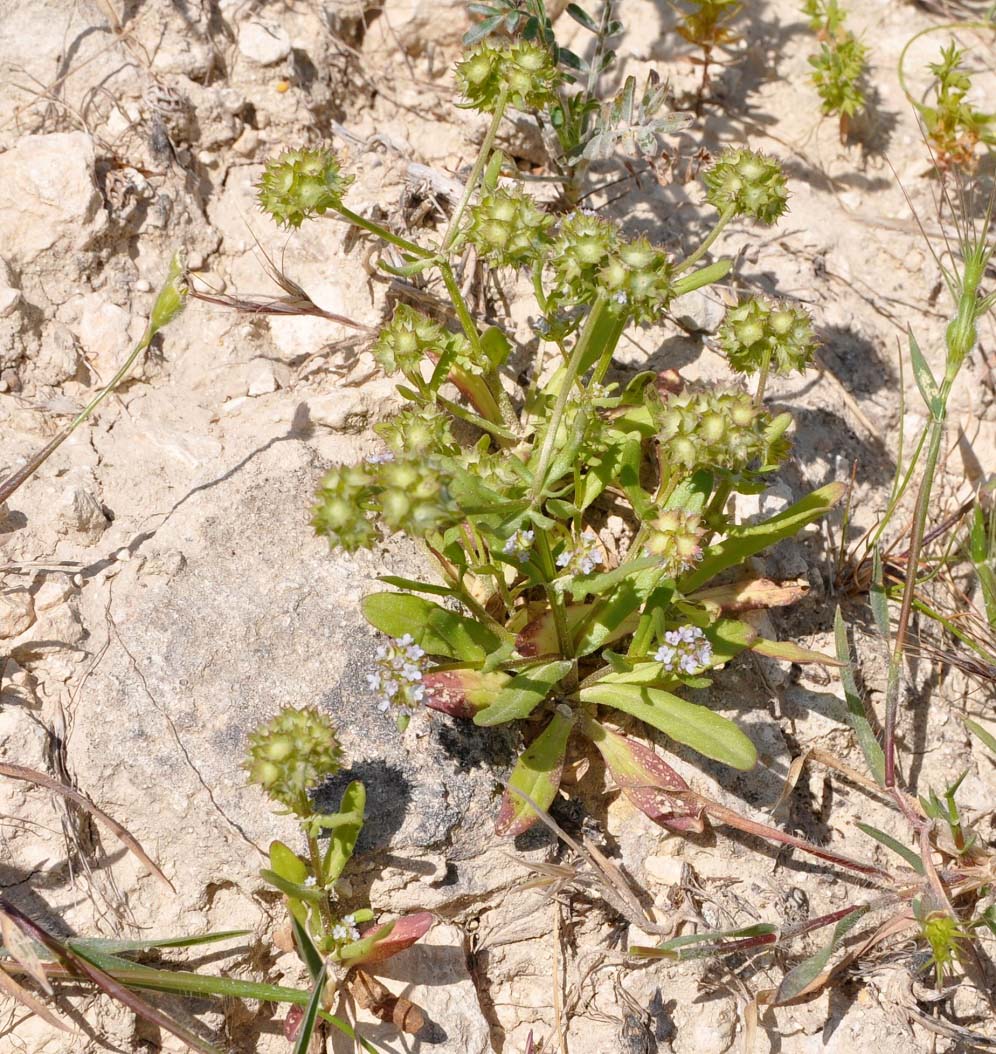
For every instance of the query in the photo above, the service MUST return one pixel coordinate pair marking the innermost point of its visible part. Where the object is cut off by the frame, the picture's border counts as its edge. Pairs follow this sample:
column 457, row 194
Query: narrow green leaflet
column 342, row 841
column 877, row 596
column 981, row 734
column 523, row 693
column 983, row 556
column 897, row 847
column 416, row 587
column 308, row 1022
column 801, row 977
column 925, row 378
column 537, row 774
column 312, row 957
column 111, row 946
column 743, row 542
column 711, row 942
column 438, row 631
column 858, row 720
column 696, row 726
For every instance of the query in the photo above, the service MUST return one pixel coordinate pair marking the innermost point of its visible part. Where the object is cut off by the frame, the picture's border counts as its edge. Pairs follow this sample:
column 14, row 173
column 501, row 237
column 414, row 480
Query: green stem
column 383, row 233
column 724, row 218
column 549, row 568
column 909, row 587
column 762, row 377
column 578, row 356
column 482, row 159
column 316, row 866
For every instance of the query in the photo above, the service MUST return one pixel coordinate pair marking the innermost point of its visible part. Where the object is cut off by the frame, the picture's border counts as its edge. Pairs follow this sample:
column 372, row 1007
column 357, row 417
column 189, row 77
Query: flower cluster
column 397, row 679
column 519, row 545
column 674, row 539
column 508, row 228
column 759, row 331
column 293, row 753
column 684, row 650
column 525, row 74
column 346, row 929
column 718, row 430
column 749, row 183
column 584, row 558
column 300, row 184
column 408, row 495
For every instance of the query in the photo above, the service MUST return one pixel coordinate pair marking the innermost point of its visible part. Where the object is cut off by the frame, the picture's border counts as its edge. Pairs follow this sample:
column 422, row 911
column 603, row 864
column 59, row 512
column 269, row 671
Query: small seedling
column 840, row 66
column 708, row 25
column 953, row 127
column 289, row 757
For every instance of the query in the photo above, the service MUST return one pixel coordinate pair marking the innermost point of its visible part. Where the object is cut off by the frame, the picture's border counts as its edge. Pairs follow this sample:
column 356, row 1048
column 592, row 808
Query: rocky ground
column 161, row 590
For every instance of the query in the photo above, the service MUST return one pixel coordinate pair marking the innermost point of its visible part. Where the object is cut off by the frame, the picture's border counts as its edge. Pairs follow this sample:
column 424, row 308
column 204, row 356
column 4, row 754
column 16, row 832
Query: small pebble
column 143, row 286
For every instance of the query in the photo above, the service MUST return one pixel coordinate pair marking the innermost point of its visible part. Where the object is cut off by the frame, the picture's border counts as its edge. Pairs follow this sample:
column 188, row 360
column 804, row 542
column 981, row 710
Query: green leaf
column 310, row 1019
column 523, row 693
column 691, row 494
column 905, row 852
column 788, row 651
column 877, row 596
column 537, row 773
column 981, row 734
column 496, row 346
column 925, row 379
column 984, row 562
column 111, row 946
column 582, row 17
column 696, row 726
column 800, row 977
column 363, row 947
column 743, row 542
column 858, row 720
column 313, row 959
column 295, row 890
column 711, row 942
column 343, row 839
column 416, row 587
column 438, row 631
column 287, row 864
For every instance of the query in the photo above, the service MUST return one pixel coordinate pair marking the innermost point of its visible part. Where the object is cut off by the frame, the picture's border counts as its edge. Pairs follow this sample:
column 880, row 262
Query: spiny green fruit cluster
column 525, row 74
column 749, row 183
column 508, row 228
column 718, row 429
column 760, row 332
column 293, row 753
column 300, row 184
column 407, row 495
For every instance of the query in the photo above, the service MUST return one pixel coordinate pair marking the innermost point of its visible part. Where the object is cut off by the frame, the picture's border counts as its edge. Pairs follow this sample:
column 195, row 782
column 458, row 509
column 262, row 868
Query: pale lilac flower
column 585, row 558
column 346, row 929
column 397, row 679
column 519, row 545
column 380, row 459
column 685, row 650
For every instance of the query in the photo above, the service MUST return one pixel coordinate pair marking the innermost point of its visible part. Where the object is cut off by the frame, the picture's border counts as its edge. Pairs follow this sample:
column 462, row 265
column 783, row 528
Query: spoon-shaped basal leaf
column 696, row 726
column 537, row 774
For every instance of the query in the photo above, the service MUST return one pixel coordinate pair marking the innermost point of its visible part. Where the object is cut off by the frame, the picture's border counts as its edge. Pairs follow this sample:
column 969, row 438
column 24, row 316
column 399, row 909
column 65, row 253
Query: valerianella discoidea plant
column 538, row 614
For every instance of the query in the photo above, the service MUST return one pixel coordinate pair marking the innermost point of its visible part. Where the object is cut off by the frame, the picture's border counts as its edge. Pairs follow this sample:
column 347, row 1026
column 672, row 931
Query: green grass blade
column 310, row 1019
column 858, row 720
column 109, row 946
column 887, row 840
column 981, row 734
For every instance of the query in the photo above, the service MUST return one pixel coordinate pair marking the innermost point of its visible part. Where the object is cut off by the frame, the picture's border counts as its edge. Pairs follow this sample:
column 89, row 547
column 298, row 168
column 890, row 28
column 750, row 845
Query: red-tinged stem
column 773, row 834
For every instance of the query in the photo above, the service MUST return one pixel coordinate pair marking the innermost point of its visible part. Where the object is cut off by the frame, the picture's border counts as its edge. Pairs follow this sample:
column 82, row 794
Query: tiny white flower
column 684, row 650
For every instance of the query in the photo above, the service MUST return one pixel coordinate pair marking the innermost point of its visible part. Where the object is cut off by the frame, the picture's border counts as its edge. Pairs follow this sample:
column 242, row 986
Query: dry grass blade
column 21, row 948
column 80, row 967
column 19, row 772
column 10, row 987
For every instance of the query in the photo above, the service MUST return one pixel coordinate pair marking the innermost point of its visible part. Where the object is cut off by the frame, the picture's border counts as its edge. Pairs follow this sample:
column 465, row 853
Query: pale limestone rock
column 264, row 43
column 260, row 378
column 48, row 197
column 104, row 332
column 17, row 612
